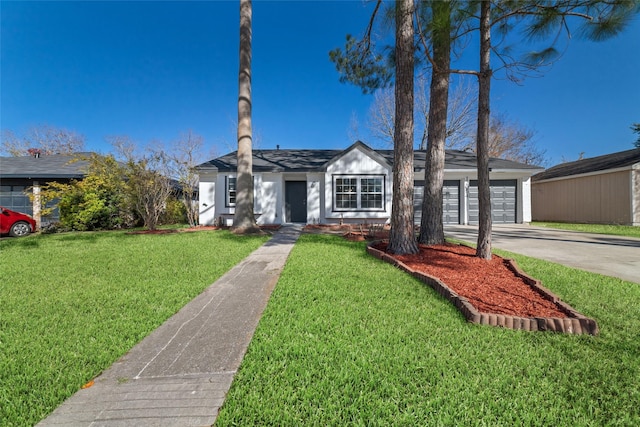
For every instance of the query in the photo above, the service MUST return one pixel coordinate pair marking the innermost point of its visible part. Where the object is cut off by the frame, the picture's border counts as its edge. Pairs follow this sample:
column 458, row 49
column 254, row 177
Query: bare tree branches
column 510, row 141
column 148, row 183
column 42, row 140
column 382, row 115
column 460, row 120
column 183, row 160
column 149, row 188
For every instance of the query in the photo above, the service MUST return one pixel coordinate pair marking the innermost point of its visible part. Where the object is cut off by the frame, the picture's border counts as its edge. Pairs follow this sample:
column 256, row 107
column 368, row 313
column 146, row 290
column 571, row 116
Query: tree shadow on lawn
column 22, row 242
column 34, row 241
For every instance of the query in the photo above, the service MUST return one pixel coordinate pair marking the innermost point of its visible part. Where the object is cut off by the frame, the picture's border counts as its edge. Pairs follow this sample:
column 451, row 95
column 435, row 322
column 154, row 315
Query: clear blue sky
column 152, row 70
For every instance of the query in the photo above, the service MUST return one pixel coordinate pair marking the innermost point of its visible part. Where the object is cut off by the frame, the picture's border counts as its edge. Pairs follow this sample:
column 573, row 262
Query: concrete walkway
column 179, row 375
column 614, row 256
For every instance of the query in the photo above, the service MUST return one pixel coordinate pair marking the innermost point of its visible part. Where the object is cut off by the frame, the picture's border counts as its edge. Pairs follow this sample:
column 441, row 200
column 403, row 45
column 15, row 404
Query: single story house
column 598, row 190
column 354, row 186
column 19, row 176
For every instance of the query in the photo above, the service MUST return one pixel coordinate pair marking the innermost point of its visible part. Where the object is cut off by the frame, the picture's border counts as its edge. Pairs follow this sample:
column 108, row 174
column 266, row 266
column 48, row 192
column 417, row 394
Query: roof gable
column 594, row 164
column 365, row 149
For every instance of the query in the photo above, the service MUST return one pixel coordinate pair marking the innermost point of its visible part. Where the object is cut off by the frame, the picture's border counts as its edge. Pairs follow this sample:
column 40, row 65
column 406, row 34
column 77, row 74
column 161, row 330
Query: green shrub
column 97, row 202
column 175, row 212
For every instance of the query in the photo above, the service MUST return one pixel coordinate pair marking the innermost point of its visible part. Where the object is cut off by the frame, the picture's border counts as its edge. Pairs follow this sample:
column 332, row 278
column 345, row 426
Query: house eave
column 529, row 172
column 42, row 176
column 525, row 172
column 594, row 173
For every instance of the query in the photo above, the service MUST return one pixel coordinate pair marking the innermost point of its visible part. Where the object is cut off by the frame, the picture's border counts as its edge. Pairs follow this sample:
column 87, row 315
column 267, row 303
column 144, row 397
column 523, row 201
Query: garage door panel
column 14, row 197
column 503, row 202
column 450, row 201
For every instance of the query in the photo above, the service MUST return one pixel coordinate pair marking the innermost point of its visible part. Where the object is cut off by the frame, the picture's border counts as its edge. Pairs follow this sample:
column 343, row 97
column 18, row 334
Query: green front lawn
column 72, row 304
column 345, row 339
column 617, row 230
column 349, row 340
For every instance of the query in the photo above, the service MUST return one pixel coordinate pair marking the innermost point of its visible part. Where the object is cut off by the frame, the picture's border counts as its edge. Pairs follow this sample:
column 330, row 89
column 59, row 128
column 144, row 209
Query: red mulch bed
column 490, row 286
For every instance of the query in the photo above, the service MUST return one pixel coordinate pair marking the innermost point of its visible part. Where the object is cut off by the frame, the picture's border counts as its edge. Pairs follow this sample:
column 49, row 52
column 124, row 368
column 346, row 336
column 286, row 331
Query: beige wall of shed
column 601, row 199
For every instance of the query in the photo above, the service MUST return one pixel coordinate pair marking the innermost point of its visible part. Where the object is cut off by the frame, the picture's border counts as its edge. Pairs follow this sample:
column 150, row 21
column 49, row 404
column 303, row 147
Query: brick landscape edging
column 576, row 323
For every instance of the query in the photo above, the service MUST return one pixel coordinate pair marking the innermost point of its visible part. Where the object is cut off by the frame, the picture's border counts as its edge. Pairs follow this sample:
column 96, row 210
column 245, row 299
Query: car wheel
column 20, row 229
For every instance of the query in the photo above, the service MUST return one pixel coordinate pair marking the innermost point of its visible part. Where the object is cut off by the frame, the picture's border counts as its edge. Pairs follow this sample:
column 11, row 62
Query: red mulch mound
column 490, row 286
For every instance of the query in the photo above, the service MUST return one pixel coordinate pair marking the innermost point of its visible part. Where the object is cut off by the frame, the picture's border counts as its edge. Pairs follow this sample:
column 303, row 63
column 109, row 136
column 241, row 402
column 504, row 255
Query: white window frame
column 227, row 190
column 359, row 193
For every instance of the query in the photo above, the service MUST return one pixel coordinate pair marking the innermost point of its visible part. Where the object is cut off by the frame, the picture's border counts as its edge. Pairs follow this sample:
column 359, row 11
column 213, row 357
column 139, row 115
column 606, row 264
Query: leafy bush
column 98, row 202
column 116, row 195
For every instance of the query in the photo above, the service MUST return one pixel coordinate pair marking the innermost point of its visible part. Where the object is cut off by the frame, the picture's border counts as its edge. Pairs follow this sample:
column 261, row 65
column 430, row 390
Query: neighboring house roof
column 55, row 166
column 317, row 160
column 594, row 164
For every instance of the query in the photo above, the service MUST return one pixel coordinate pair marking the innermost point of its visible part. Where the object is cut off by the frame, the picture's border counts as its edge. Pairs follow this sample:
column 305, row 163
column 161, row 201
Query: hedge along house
column 354, row 186
column 20, row 176
column 600, row 190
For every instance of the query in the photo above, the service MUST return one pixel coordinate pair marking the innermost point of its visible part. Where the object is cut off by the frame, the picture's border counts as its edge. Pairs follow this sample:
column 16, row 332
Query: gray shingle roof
column 53, row 166
column 593, row 164
column 316, row 161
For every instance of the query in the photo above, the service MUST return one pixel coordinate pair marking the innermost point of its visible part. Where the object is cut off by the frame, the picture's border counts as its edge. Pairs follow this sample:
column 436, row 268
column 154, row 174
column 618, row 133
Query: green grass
column 349, row 340
column 616, row 230
column 72, row 304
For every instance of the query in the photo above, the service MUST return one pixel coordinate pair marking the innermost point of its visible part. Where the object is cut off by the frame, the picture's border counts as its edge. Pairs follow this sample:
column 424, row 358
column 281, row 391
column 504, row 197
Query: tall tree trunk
column 431, row 224
column 483, row 249
column 244, row 220
column 402, row 238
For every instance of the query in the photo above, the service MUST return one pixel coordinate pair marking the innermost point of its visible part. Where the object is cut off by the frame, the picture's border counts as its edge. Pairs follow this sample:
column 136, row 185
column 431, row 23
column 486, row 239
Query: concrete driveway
column 608, row 255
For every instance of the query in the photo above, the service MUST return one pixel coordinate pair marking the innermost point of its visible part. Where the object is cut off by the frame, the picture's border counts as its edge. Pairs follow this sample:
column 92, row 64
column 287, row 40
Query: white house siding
column 207, row 198
column 315, row 188
column 358, row 163
column 268, row 198
column 213, row 206
column 270, row 188
column 524, row 200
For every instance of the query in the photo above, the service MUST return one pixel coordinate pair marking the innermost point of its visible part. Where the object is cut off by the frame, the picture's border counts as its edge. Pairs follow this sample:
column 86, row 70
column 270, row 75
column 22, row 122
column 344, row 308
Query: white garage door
column 450, row 202
column 503, row 201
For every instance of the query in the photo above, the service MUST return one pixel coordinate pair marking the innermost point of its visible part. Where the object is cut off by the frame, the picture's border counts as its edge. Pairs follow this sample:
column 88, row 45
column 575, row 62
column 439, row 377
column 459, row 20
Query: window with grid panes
column 352, row 193
column 231, row 191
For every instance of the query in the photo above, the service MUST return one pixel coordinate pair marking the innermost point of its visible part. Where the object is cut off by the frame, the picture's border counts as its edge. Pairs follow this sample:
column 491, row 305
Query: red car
column 15, row 224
